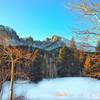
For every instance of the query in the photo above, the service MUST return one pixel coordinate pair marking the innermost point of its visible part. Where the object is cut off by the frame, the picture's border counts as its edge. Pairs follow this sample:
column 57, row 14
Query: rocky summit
column 49, row 43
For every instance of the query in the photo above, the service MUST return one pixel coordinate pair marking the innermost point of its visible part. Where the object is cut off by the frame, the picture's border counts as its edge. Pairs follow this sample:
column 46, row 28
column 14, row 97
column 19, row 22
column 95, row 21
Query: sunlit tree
column 3, row 74
column 87, row 63
column 61, row 58
column 72, row 44
column 37, row 74
column 3, row 43
column 14, row 56
column 36, row 55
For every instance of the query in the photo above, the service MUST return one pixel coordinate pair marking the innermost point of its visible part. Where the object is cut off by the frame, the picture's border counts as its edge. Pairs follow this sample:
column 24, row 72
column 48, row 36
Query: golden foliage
column 81, row 56
column 72, row 44
column 44, row 58
column 87, row 63
column 36, row 55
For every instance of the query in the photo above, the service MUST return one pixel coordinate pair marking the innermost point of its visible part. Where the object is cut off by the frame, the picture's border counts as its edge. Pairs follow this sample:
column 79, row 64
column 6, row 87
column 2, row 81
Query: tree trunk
column 1, row 92
column 12, row 81
column 2, row 83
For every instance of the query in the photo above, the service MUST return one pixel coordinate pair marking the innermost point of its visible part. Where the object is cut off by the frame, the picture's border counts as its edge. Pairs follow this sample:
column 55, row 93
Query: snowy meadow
column 77, row 88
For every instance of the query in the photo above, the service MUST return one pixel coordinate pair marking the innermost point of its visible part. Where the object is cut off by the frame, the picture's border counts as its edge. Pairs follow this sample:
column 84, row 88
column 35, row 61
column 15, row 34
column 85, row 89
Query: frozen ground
column 78, row 88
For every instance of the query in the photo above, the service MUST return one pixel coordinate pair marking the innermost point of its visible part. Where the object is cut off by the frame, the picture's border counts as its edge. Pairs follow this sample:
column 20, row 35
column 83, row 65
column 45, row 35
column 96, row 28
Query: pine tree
column 72, row 44
column 37, row 74
column 61, row 55
column 49, row 69
column 75, row 64
column 98, row 46
column 81, row 56
column 75, row 56
column 36, row 56
column 87, row 63
column 76, row 68
column 44, row 65
column 63, row 61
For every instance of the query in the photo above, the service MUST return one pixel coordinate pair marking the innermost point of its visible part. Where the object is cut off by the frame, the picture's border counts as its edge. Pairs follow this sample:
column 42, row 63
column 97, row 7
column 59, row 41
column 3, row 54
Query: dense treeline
column 34, row 64
column 40, row 64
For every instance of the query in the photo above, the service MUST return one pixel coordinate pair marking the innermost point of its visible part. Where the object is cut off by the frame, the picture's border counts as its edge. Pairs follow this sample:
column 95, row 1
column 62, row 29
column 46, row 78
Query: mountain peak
column 49, row 43
column 54, row 38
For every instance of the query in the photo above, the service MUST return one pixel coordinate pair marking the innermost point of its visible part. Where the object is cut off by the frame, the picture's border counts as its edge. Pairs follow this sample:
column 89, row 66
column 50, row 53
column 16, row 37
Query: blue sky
column 38, row 18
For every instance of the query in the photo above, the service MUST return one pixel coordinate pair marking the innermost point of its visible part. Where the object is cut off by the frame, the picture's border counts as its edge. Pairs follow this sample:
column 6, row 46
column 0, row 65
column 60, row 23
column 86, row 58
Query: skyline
column 39, row 19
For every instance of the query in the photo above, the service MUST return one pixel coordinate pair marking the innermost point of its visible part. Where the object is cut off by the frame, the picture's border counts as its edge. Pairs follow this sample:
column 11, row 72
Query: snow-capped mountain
column 50, row 43
column 53, row 42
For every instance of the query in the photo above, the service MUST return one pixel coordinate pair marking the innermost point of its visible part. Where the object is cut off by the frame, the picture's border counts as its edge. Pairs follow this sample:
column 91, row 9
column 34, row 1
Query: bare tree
column 89, row 10
column 2, row 79
column 85, row 7
column 14, row 56
column 85, row 39
column 3, row 42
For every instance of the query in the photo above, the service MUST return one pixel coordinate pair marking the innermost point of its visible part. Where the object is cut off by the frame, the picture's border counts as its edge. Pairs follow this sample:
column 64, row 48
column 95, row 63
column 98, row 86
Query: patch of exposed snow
column 78, row 88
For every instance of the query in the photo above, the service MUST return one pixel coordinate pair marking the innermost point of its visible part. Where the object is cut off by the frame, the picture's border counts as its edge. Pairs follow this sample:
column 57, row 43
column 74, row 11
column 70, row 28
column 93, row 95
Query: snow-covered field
column 78, row 88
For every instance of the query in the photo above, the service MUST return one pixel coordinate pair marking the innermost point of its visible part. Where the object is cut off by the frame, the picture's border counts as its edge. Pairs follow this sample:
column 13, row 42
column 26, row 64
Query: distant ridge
column 49, row 43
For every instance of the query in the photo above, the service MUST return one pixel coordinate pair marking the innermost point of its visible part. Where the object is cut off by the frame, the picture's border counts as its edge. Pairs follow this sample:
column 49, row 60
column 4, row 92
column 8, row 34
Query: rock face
column 10, row 32
column 14, row 40
column 53, row 42
column 48, row 44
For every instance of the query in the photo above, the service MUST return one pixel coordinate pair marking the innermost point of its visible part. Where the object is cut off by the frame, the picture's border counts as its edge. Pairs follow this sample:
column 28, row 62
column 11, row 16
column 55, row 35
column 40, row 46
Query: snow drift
column 57, row 89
